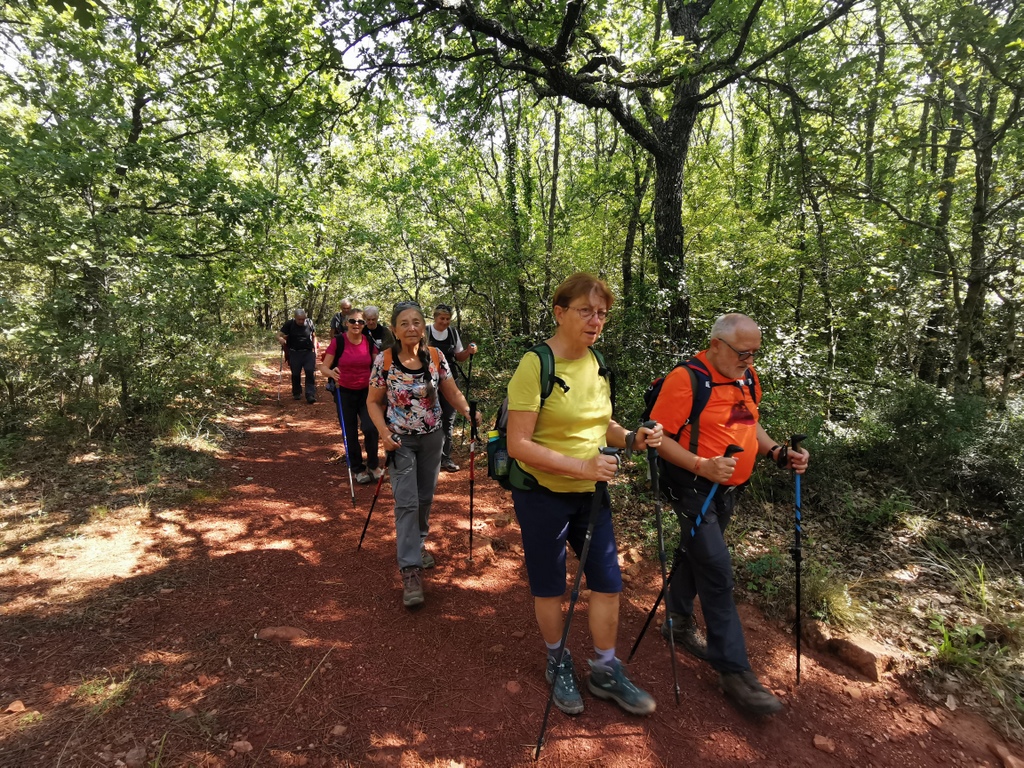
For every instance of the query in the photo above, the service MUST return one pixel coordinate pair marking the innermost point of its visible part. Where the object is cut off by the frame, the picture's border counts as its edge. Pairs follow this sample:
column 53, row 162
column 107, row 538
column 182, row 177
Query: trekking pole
column 797, row 553
column 280, row 373
column 389, row 456
column 729, row 451
column 344, row 439
column 652, row 461
column 600, row 489
column 474, row 436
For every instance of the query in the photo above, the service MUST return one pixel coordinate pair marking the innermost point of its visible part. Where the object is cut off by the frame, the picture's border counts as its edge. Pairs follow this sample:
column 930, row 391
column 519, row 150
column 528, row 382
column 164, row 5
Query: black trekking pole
column 344, row 439
column 389, row 456
column 599, row 491
column 729, row 451
column 474, row 436
column 797, row 553
column 652, row 460
column 280, row 372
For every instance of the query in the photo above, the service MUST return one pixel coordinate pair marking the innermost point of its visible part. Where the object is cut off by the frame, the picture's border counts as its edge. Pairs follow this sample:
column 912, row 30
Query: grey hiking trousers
column 413, row 479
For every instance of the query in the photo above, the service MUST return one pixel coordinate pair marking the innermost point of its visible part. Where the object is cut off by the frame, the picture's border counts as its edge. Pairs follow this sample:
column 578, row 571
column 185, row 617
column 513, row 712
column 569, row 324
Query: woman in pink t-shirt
column 349, row 370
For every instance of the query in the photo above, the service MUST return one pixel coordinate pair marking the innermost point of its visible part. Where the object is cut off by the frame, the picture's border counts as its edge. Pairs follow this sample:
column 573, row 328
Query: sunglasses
column 407, row 305
column 353, row 321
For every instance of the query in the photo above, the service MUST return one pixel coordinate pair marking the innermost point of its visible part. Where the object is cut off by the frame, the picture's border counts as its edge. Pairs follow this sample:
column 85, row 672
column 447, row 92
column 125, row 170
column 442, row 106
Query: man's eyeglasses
column 741, row 355
column 588, row 312
column 354, row 321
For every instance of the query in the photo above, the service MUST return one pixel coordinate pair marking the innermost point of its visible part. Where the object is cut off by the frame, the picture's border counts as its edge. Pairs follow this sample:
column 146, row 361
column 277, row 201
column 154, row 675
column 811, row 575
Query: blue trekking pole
column 600, row 489
column 797, row 553
column 344, row 439
column 729, row 451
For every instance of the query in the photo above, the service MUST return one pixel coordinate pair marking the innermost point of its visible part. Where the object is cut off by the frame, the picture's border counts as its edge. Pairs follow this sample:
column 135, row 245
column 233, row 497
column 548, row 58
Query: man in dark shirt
column 380, row 334
column 299, row 336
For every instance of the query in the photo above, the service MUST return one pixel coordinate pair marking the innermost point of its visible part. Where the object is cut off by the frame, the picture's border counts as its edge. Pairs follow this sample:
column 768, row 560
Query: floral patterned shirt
column 408, row 412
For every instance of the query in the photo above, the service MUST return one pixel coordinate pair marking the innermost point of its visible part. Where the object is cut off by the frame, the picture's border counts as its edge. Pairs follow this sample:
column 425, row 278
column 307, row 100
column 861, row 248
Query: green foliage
column 959, row 646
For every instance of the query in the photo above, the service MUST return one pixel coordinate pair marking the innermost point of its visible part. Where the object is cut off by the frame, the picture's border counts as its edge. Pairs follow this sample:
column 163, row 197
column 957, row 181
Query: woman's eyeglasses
column 588, row 312
column 353, row 321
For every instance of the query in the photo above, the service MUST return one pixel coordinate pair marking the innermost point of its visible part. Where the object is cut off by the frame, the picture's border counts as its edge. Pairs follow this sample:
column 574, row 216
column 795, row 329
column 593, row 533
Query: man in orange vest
column 703, row 567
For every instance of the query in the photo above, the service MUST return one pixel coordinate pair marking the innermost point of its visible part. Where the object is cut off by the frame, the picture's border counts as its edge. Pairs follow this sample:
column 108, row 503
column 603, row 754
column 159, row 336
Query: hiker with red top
column 346, row 365
column 406, row 384
column 692, row 461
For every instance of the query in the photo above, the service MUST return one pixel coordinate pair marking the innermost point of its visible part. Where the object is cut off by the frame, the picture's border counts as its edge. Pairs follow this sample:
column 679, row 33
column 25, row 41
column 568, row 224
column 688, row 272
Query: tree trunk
column 965, row 375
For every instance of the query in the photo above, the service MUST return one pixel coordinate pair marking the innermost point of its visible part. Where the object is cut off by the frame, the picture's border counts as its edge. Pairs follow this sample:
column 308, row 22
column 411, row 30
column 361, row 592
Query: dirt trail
column 457, row 683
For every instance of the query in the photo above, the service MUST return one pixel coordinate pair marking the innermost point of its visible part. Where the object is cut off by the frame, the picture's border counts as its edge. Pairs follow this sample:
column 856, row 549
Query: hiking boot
column 297, row 397
column 310, row 399
column 412, row 586
column 687, row 635
column 376, row 472
column 614, row 684
column 363, row 478
column 746, row 690
column 449, row 466
column 426, row 559
column 567, row 694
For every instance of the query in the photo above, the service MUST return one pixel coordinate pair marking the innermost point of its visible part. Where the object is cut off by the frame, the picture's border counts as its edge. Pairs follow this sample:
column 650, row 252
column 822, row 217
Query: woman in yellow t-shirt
column 559, row 445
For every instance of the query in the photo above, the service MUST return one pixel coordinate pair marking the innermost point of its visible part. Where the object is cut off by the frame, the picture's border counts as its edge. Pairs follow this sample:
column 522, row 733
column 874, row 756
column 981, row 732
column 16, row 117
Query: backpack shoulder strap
column 700, row 386
column 753, row 385
column 604, row 370
column 547, row 371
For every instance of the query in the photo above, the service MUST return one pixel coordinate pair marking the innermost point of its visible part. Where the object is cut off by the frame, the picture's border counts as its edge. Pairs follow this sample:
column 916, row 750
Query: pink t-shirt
column 354, row 365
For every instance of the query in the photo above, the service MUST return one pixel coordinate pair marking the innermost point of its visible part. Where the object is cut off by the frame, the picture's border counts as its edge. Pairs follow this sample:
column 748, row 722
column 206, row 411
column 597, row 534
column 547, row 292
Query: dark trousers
column 703, row 569
column 353, row 408
column 302, row 360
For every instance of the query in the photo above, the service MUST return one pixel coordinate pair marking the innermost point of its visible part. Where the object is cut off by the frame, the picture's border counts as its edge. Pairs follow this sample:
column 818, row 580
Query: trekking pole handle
column 731, row 449
column 795, row 441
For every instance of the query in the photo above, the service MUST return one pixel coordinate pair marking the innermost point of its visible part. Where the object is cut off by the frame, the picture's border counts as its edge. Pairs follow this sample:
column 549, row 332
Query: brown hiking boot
column 412, row 586
column 746, row 690
column 687, row 635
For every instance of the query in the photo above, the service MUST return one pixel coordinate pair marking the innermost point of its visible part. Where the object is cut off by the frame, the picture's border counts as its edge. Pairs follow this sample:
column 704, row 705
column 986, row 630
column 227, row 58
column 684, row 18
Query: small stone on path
column 825, row 744
column 281, row 633
column 136, row 757
column 513, row 687
column 15, row 706
column 242, row 747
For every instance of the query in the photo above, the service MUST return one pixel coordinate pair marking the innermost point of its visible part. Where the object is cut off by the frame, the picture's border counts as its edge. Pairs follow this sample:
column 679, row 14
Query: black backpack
column 501, row 466
column 701, row 386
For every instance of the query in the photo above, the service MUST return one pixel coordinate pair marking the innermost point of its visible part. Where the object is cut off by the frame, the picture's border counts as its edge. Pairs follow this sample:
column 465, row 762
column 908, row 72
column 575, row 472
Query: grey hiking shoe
column 614, row 684
column 426, row 559
column 746, row 690
column 412, row 586
column 687, row 635
column 567, row 695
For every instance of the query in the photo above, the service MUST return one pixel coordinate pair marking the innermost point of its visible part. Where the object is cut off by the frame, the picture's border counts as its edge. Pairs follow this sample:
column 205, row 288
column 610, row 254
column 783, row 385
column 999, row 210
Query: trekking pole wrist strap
column 630, row 439
column 771, row 452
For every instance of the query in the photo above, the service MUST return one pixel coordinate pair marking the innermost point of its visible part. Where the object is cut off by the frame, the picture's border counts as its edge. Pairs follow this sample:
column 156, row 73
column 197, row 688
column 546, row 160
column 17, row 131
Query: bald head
column 734, row 340
column 727, row 326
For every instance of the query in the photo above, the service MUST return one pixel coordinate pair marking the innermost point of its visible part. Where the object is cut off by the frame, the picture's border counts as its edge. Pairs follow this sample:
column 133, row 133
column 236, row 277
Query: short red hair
column 581, row 284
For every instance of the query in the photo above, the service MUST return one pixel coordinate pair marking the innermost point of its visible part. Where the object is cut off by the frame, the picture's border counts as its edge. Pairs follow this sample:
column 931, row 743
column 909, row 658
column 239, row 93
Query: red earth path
column 458, row 682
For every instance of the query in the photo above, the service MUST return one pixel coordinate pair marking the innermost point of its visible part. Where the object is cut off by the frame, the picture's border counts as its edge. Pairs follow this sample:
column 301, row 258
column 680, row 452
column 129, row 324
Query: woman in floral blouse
column 405, row 381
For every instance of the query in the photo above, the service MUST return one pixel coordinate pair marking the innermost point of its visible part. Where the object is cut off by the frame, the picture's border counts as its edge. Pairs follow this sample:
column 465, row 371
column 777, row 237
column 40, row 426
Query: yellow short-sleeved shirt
column 573, row 423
